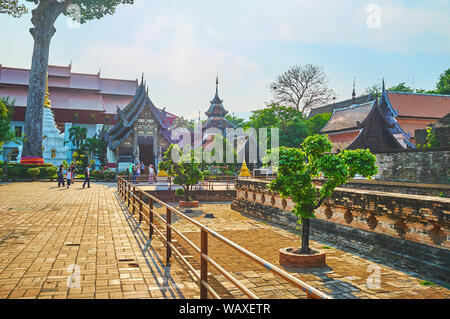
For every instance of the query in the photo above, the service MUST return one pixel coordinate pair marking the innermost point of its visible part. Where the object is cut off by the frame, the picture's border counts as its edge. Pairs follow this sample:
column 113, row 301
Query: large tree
column 44, row 16
column 443, row 85
column 299, row 166
column 302, row 87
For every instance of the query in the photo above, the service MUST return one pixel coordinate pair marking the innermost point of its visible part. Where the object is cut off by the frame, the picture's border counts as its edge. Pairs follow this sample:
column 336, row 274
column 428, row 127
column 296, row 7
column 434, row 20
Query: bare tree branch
column 302, row 87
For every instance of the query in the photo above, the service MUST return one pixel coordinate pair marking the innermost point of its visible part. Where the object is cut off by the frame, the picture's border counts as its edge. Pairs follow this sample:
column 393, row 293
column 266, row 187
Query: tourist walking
column 133, row 168
column 138, row 170
column 87, row 176
column 61, row 176
column 142, row 168
column 151, row 174
column 69, row 177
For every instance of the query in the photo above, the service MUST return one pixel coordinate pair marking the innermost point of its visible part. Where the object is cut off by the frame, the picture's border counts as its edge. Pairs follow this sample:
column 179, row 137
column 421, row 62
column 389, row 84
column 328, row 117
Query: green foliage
column 33, row 172
column 109, row 175
column 299, row 166
column 290, row 122
column 77, row 135
column 427, row 283
column 431, row 139
column 13, row 8
column 235, row 121
column 179, row 192
column 6, row 112
column 443, row 85
column 317, row 122
column 97, row 174
column 186, row 170
column 181, row 122
column 401, row 87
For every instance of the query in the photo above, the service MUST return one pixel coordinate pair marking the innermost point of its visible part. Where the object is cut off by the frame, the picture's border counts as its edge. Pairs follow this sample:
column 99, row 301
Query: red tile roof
column 68, row 90
column 420, row 105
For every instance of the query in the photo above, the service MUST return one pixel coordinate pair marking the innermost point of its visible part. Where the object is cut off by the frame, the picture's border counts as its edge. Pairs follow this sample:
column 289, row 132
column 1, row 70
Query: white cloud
column 404, row 28
column 174, row 60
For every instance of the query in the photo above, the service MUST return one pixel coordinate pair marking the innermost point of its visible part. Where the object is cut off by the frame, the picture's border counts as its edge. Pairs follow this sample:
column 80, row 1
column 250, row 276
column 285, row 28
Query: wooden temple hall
column 385, row 123
column 141, row 133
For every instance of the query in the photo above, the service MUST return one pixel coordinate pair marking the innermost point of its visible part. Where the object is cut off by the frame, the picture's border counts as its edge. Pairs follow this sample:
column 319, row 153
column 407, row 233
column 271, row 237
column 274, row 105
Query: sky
column 182, row 45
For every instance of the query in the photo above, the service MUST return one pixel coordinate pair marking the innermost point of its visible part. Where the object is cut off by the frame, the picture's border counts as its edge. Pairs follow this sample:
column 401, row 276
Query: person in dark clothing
column 61, row 176
column 87, row 176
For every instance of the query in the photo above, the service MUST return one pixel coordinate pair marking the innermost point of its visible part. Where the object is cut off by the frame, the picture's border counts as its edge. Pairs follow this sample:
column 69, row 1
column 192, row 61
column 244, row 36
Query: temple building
column 386, row 123
column 216, row 113
column 141, row 132
column 78, row 99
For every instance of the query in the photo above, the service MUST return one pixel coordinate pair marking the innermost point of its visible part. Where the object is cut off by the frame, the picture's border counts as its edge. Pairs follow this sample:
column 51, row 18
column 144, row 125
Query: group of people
column 136, row 170
column 69, row 175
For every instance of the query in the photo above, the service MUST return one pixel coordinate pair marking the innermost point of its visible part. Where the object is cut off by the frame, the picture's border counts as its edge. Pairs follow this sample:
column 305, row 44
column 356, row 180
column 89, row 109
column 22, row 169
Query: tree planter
column 290, row 259
column 190, row 204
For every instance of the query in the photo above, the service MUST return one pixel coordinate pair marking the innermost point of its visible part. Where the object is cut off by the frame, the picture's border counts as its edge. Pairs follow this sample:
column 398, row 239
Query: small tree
column 298, row 167
column 185, row 170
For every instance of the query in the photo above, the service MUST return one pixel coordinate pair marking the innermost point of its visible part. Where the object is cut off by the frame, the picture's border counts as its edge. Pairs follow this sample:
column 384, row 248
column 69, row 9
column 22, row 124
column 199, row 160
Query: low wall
column 440, row 190
column 420, row 166
column 406, row 230
column 200, row 195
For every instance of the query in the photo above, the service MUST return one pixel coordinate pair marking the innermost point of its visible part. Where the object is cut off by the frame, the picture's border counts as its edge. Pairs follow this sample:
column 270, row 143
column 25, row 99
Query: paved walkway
column 45, row 230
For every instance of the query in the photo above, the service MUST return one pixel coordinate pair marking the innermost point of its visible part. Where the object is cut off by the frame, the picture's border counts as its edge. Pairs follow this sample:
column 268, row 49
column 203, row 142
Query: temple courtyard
column 84, row 243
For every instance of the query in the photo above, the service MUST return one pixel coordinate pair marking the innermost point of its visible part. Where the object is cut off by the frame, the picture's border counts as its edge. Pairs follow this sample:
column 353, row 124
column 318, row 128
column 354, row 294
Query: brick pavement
column 44, row 230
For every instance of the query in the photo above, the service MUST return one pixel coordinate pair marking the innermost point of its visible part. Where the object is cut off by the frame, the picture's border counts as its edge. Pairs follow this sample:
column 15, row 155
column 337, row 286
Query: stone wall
column 407, row 230
column 439, row 190
column 420, row 166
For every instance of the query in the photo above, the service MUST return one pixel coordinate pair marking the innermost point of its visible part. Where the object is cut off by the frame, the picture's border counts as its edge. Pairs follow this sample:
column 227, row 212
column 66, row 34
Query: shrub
column 179, row 192
column 109, row 175
column 33, row 172
column 97, row 174
column 1, row 171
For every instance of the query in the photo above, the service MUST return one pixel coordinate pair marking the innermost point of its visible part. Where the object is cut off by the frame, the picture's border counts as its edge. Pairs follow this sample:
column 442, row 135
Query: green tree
column 299, row 166
column 290, row 121
column 44, row 16
column 443, row 85
column 235, row 121
column 77, row 135
column 317, row 122
column 6, row 112
column 401, row 87
column 186, row 170
column 181, row 122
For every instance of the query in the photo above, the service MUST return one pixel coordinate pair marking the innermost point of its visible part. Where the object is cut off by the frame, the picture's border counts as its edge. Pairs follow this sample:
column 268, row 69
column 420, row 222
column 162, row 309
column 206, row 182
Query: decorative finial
column 354, row 91
column 142, row 79
column 383, row 87
column 47, row 101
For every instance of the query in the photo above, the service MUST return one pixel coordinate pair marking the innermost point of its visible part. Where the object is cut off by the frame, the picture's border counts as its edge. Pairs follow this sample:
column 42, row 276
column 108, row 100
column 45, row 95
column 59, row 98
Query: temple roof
column 216, row 112
column 348, row 118
column 328, row 108
column 69, row 90
column 128, row 116
column 419, row 105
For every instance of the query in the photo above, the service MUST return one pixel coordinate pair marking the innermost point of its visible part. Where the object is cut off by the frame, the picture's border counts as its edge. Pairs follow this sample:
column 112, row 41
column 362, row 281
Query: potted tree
column 185, row 169
column 296, row 170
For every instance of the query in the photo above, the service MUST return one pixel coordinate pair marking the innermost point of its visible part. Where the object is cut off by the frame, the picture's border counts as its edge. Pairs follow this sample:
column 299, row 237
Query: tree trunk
column 43, row 19
column 305, row 235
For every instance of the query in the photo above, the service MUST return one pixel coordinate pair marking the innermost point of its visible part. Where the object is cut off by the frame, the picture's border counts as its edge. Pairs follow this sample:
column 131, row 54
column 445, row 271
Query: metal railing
column 133, row 197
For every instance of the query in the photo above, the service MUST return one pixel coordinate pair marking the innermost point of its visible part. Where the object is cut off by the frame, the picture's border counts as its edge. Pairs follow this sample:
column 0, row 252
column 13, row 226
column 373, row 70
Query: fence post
column 140, row 207
column 203, row 264
column 128, row 195
column 134, row 199
column 168, row 235
column 150, row 217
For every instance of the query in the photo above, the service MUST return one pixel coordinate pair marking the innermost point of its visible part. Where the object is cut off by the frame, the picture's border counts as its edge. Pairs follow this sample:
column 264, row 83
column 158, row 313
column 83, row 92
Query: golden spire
column 47, row 101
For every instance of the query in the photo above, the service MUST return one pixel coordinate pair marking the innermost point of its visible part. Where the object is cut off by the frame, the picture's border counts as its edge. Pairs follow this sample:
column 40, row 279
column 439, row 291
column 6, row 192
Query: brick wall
column 421, row 166
column 408, row 230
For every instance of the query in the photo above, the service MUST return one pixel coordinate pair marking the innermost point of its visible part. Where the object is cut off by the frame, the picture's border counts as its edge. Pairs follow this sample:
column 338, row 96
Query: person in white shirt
column 69, row 177
column 151, row 174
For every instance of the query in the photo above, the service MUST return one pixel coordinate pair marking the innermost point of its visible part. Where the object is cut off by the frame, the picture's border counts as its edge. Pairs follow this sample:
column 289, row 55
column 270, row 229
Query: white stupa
column 54, row 150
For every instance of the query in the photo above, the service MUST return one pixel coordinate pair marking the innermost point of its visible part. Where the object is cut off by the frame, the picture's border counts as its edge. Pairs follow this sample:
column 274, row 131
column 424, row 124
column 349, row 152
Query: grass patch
column 326, row 247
